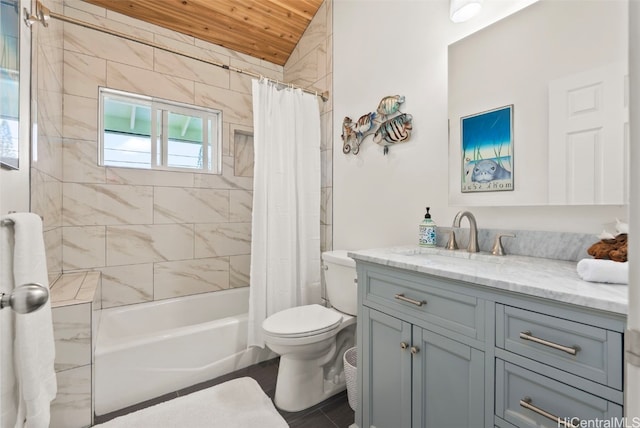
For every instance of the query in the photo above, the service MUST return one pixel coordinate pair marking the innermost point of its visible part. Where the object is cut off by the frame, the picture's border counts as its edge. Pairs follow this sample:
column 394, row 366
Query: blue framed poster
column 487, row 151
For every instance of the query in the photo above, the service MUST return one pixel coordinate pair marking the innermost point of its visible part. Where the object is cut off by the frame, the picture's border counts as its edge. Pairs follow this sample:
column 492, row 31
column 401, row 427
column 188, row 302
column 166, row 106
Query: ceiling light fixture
column 463, row 10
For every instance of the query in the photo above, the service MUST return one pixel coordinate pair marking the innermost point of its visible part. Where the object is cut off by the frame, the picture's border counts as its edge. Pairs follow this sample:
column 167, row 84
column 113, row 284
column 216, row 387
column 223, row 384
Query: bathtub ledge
column 74, row 288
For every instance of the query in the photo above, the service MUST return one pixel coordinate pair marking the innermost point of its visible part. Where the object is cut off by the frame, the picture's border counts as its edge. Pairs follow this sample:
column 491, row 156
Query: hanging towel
column 34, row 349
column 599, row 270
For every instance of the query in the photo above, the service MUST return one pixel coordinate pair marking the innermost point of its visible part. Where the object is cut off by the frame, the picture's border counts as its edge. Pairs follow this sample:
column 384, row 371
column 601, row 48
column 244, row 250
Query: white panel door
column 588, row 137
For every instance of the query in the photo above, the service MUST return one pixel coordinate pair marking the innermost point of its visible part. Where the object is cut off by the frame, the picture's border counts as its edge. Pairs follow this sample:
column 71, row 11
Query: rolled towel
column 598, row 270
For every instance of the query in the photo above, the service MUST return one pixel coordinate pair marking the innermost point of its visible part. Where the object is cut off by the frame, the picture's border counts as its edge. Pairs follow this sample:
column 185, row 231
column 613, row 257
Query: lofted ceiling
column 265, row 29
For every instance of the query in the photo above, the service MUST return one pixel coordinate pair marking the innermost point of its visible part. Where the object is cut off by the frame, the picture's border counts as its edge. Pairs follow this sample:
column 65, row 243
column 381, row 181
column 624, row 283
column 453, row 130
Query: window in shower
column 137, row 131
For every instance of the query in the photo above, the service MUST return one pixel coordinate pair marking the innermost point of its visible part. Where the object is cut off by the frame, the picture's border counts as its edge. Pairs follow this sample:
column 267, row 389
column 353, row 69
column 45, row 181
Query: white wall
column 400, row 47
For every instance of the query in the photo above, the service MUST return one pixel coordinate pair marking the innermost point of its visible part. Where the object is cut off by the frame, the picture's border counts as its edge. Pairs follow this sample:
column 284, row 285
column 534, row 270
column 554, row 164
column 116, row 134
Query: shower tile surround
column 75, row 306
column 142, row 232
column 145, row 229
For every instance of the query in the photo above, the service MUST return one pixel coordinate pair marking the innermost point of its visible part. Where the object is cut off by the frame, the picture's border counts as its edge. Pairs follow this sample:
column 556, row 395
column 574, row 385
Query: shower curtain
column 285, row 233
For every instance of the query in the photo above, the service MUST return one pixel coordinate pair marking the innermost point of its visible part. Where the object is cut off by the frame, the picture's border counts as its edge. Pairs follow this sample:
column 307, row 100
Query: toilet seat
column 302, row 321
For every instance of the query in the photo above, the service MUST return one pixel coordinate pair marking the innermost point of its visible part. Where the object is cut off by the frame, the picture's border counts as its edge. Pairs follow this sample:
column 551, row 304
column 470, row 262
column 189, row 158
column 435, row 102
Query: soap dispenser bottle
column 427, row 231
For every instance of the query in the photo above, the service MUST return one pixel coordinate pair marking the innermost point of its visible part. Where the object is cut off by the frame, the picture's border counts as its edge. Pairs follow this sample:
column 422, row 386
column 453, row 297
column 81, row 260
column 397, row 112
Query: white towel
column 598, row 270
column 34, row 349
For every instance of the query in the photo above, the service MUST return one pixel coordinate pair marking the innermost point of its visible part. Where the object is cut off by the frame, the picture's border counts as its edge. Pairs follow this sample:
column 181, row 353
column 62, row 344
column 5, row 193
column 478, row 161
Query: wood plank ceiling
column 265, row 29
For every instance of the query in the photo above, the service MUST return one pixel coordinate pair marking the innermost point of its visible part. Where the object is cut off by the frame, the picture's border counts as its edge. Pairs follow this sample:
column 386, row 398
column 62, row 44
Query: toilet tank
column 340, row 281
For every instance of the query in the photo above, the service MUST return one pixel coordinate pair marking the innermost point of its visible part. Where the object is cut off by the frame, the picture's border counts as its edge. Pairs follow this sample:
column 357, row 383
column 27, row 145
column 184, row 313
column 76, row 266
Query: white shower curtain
column 285, row 233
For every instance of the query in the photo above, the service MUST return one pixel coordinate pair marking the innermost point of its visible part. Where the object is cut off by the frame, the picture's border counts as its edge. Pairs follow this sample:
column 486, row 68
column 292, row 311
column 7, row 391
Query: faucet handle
column 451, row 243
column 498, row 249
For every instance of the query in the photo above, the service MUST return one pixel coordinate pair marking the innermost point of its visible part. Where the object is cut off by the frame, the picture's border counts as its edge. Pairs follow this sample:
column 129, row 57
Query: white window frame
column 211, row 129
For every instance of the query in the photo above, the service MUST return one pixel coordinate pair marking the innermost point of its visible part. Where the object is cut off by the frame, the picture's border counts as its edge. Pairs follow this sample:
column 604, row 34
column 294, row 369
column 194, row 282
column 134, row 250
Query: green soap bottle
column 427, row 231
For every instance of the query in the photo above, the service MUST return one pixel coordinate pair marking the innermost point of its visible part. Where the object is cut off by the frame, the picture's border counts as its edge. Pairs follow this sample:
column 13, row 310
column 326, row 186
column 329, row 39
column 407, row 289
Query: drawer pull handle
column 408, row 300
column 403, row 345
column 526, row 335
column 414, row 350
column 526, row 402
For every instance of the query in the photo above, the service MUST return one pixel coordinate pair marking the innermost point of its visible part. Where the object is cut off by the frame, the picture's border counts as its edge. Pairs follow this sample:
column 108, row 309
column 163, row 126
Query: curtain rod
column 44, row 14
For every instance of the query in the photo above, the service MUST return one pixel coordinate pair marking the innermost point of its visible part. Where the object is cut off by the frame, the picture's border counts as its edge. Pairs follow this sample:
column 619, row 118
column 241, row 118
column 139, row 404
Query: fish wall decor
column 393, row 131
column 348, row 135
column 387, row 124
column 390, row 105
column 364, row 124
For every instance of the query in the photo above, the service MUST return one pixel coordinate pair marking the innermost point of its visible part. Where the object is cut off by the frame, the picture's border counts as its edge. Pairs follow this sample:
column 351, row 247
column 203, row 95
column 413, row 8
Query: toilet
column 311, row 339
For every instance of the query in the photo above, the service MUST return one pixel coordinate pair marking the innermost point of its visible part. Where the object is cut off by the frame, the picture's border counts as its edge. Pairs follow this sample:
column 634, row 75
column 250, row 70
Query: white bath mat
column 238, row 403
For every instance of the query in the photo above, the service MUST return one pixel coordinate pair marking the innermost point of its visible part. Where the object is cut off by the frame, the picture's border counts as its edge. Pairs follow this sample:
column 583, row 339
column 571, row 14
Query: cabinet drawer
column 414, row 296
column 545, row 400
column 584, row 350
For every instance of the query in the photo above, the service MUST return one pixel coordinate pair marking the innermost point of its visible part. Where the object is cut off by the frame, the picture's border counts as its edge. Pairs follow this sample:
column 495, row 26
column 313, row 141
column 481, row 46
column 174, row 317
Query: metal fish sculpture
column 395, row 130
column 362, row 127
column 390, row 105
column 348, row 135
column 364, row 124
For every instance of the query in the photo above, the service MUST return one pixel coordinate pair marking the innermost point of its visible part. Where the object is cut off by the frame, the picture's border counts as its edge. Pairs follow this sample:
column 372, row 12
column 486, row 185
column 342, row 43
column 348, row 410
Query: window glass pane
column 127, row 133
column 9, row 142
column 143, row 132
column 184, row 148
column 127, row 150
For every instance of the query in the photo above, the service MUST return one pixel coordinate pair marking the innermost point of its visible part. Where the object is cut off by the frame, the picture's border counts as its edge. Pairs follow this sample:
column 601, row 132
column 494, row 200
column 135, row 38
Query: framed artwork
column 487, row 151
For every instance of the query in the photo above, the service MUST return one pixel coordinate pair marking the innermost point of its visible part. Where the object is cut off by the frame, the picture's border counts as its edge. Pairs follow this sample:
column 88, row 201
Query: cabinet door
column 448, row 382
column 386, row 369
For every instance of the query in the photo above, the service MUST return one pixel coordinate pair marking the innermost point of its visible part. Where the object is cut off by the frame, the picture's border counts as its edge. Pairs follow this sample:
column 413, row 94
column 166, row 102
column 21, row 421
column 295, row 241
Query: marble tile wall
column 75, row 301
column 310, row 66
column 154, row 234
column 46, row 164
column 72, row 406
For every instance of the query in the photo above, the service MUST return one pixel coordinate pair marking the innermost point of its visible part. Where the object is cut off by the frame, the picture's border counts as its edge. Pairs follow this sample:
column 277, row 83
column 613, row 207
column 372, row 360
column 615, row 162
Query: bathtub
column 146, row 350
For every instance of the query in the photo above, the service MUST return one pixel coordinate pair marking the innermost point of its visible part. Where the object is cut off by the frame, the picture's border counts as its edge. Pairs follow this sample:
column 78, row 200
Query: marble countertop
column 545, row 278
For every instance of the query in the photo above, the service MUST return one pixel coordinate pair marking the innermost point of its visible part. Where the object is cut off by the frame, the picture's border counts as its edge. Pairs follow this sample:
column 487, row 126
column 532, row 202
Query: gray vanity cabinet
column 436, row 352
column 418, row 365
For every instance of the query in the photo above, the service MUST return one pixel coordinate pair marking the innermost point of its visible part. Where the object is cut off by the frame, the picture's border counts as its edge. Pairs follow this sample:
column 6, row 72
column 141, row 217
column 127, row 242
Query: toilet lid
column 302, row 321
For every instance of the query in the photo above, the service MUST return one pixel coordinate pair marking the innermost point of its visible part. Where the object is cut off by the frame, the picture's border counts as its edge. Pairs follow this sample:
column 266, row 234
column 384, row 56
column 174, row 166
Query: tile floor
column 331, row 413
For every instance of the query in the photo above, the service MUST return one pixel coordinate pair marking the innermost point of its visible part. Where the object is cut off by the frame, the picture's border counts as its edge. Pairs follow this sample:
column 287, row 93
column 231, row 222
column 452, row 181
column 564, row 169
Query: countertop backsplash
column 549, row 245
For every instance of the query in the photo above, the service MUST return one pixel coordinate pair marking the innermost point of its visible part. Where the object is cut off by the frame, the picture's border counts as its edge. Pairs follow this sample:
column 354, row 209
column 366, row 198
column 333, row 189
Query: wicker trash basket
column 350, row 369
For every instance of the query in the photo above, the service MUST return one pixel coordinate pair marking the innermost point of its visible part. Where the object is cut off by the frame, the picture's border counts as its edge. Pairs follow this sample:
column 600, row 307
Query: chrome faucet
column 473, row 229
